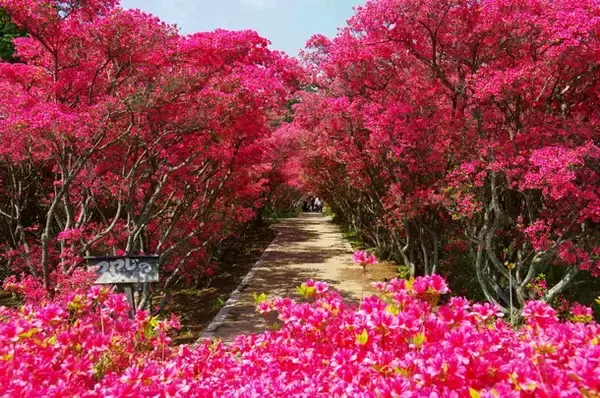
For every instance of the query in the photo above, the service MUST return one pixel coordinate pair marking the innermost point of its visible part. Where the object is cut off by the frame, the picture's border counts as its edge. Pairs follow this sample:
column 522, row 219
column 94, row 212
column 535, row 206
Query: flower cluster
column 62, row 349
column 363, row 258
column 32, row 290
column 538, row 287
column 399, row 343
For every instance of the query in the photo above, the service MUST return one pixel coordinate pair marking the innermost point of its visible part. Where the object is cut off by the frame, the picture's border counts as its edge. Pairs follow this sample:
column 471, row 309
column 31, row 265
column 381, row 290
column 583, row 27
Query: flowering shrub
column 445, row 121
column 33, row 291
column 399, row 343
column 65, row 347
column 178, row 123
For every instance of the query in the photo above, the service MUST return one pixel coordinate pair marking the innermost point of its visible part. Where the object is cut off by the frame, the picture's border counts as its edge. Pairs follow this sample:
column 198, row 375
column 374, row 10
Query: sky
column 288, row 24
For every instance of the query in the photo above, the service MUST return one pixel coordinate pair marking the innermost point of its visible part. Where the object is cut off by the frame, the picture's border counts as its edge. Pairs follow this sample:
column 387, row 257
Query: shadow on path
column 307, row 247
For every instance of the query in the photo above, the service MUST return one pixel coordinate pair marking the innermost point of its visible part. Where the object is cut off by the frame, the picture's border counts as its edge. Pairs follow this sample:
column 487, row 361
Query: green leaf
column 28, row 334
column 260, row 298
column 401, row 371
column 392, row 309
column 154, row 321
column 275, row 326
column 148, row 331
column 306, row 291
column 363, row 337
column 149, row 327
column 474, row 393
column 301, row 290
column 418, row 339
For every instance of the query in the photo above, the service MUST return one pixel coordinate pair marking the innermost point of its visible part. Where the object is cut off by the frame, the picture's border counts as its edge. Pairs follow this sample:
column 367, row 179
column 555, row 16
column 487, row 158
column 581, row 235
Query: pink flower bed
column 401, row 343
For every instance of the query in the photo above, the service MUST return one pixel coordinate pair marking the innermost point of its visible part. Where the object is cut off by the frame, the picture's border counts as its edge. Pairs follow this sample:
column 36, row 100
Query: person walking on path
column 318, row 205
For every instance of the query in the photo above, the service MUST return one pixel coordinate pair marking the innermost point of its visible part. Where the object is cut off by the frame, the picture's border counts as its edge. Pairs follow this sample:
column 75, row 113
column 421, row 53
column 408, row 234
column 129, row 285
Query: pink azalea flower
column 363, row 258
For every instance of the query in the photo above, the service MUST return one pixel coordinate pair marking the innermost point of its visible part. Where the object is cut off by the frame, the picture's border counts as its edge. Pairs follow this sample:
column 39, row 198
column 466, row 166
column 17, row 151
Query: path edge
column 221, row 316
column 347, row 244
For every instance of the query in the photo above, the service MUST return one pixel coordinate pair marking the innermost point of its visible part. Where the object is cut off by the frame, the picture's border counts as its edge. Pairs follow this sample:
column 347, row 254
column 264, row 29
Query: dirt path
column 309, row 246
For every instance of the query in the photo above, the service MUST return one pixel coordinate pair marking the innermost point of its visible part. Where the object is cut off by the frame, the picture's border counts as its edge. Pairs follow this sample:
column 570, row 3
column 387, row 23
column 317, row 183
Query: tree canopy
column 449, row 132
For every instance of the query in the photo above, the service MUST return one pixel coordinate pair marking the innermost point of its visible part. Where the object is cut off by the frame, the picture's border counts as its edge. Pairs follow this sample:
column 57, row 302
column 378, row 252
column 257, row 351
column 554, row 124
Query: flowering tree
column 285, row 187
column 463, row 121
column 122, row 136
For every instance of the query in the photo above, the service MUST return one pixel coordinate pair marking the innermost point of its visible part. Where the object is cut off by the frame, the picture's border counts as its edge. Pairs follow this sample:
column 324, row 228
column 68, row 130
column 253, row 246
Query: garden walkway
column 309, row 246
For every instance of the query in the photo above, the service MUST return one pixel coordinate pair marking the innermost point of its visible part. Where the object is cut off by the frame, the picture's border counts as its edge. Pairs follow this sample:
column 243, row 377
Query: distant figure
column 312, row 204
column 308, row 204
column 318, row 205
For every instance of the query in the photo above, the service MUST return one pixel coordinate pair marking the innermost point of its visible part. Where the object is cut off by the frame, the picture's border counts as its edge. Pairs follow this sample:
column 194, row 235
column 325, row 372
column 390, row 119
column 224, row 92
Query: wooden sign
column 124, row 270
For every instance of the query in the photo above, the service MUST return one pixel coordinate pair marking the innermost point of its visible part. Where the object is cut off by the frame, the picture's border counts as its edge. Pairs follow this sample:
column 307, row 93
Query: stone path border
column 221, row 316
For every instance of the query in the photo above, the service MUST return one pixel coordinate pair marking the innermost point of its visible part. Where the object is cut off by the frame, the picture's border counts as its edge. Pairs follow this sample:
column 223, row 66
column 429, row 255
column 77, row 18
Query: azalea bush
column 64, row 347
column 119, row 135
column 31, row 289
column 409, row 340
column 461, row 133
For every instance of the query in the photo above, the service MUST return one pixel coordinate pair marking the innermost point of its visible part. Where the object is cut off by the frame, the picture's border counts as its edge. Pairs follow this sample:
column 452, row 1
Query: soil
column 383, row 271
column 8, row 299
column 196, row 307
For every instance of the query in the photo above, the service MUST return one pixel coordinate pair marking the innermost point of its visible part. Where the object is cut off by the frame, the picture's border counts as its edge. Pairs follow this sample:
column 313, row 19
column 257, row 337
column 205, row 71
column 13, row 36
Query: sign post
column 124, row 272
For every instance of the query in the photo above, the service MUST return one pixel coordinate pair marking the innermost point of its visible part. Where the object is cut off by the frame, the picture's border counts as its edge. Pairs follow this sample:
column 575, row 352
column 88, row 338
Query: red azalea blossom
column 400, row 345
